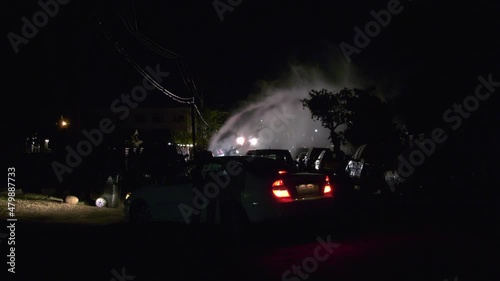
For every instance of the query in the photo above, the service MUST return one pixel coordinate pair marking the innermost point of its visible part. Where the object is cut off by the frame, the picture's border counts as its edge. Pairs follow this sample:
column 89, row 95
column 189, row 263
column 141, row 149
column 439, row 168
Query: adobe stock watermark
column 222, row 7
column 372, row 29
column 121, row 276
column 310, row 264
column 277, row 123
column 221, row 179
column 94, row 137
column 454, row 116
column 39, row 20
column 211, row 190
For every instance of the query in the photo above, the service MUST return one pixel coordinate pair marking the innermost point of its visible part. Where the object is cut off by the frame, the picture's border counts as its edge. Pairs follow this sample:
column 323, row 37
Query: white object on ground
column 101, row 202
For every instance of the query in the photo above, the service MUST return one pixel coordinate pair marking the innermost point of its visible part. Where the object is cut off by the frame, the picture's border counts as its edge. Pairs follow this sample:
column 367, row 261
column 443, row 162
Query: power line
column 145, row 74
column 149, row 43
column 182, row 76
column 189, row 83
column 199, row 113
column 190, row 101
column 157, row 85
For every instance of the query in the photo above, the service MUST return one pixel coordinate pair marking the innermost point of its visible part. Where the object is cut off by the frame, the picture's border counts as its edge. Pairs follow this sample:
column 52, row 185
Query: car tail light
column 282, row 172
column 280, row 190
column 328, row 187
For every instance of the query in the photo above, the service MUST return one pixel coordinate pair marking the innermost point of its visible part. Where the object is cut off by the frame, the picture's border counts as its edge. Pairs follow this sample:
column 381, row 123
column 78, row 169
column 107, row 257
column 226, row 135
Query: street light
column 63, row 123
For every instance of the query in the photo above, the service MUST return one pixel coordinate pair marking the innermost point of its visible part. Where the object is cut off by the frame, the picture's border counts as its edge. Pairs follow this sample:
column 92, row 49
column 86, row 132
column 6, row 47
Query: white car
column 233, row 189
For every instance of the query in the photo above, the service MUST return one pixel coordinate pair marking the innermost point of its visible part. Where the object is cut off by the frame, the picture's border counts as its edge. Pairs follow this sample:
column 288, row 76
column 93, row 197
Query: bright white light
column 315, row 130
column 254, row 141
column 46, row 141
column 240, row 140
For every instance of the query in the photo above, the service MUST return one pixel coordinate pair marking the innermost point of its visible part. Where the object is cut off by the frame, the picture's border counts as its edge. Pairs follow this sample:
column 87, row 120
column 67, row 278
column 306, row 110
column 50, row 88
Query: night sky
column 433, row 50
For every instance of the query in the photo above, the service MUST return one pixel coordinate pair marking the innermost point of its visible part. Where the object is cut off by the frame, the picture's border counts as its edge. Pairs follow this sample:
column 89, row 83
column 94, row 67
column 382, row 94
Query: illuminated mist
column 278, row 102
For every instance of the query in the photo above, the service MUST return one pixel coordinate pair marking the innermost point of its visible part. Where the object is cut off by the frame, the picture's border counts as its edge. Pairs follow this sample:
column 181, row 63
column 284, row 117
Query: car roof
column 256, row 163
column 269, row 150
column 318, row 148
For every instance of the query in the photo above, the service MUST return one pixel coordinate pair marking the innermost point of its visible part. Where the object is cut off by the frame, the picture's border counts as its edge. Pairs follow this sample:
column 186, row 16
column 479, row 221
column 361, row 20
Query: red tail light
column 328, row 187
column 278, row 183
column 281, row 172
column 280, row 190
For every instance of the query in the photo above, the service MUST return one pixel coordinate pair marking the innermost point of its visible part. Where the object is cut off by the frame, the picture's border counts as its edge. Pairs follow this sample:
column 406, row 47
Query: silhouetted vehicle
column 153, row 164
column 311, row 157
column 300, row 160
column 372, row 167
column 328, row 163
column 282, row 155
column 247, row 188
column 375, row 169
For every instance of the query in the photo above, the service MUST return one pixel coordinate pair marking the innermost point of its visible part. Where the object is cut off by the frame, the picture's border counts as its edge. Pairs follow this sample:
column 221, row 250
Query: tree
column 182, row 137
column 371, row 120
column 331, row 109
column 417, row 111
column 364, row 118
column 215, row 118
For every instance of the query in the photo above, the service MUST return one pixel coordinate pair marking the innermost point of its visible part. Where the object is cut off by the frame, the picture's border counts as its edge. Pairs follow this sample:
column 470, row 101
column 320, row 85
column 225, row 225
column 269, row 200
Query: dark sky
column 431, row 49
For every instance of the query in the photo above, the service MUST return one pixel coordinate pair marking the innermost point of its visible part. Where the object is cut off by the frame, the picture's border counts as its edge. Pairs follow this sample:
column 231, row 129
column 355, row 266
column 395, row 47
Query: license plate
column 303, row 189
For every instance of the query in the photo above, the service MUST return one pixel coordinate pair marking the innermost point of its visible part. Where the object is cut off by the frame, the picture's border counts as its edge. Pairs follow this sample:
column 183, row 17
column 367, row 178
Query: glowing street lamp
column 63, row 123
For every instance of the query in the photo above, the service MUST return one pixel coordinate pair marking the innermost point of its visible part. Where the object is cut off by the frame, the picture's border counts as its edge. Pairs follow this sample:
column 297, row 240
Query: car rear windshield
column 262, row 165
column 315, row 152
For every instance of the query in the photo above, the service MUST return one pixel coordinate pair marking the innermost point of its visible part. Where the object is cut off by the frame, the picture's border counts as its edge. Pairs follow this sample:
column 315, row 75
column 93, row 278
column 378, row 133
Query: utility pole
column 193, row 125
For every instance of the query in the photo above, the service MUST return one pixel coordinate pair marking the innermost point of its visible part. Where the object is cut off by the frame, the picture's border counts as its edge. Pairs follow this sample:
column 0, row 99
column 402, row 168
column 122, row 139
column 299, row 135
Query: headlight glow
column 254, row 141
column 240, row 140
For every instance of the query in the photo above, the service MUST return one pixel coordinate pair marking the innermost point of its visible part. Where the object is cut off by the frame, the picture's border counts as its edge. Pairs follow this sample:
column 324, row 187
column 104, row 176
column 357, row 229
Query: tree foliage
column 352, row 115
column 215, row 118
column 332, row 110
column 371, row 120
